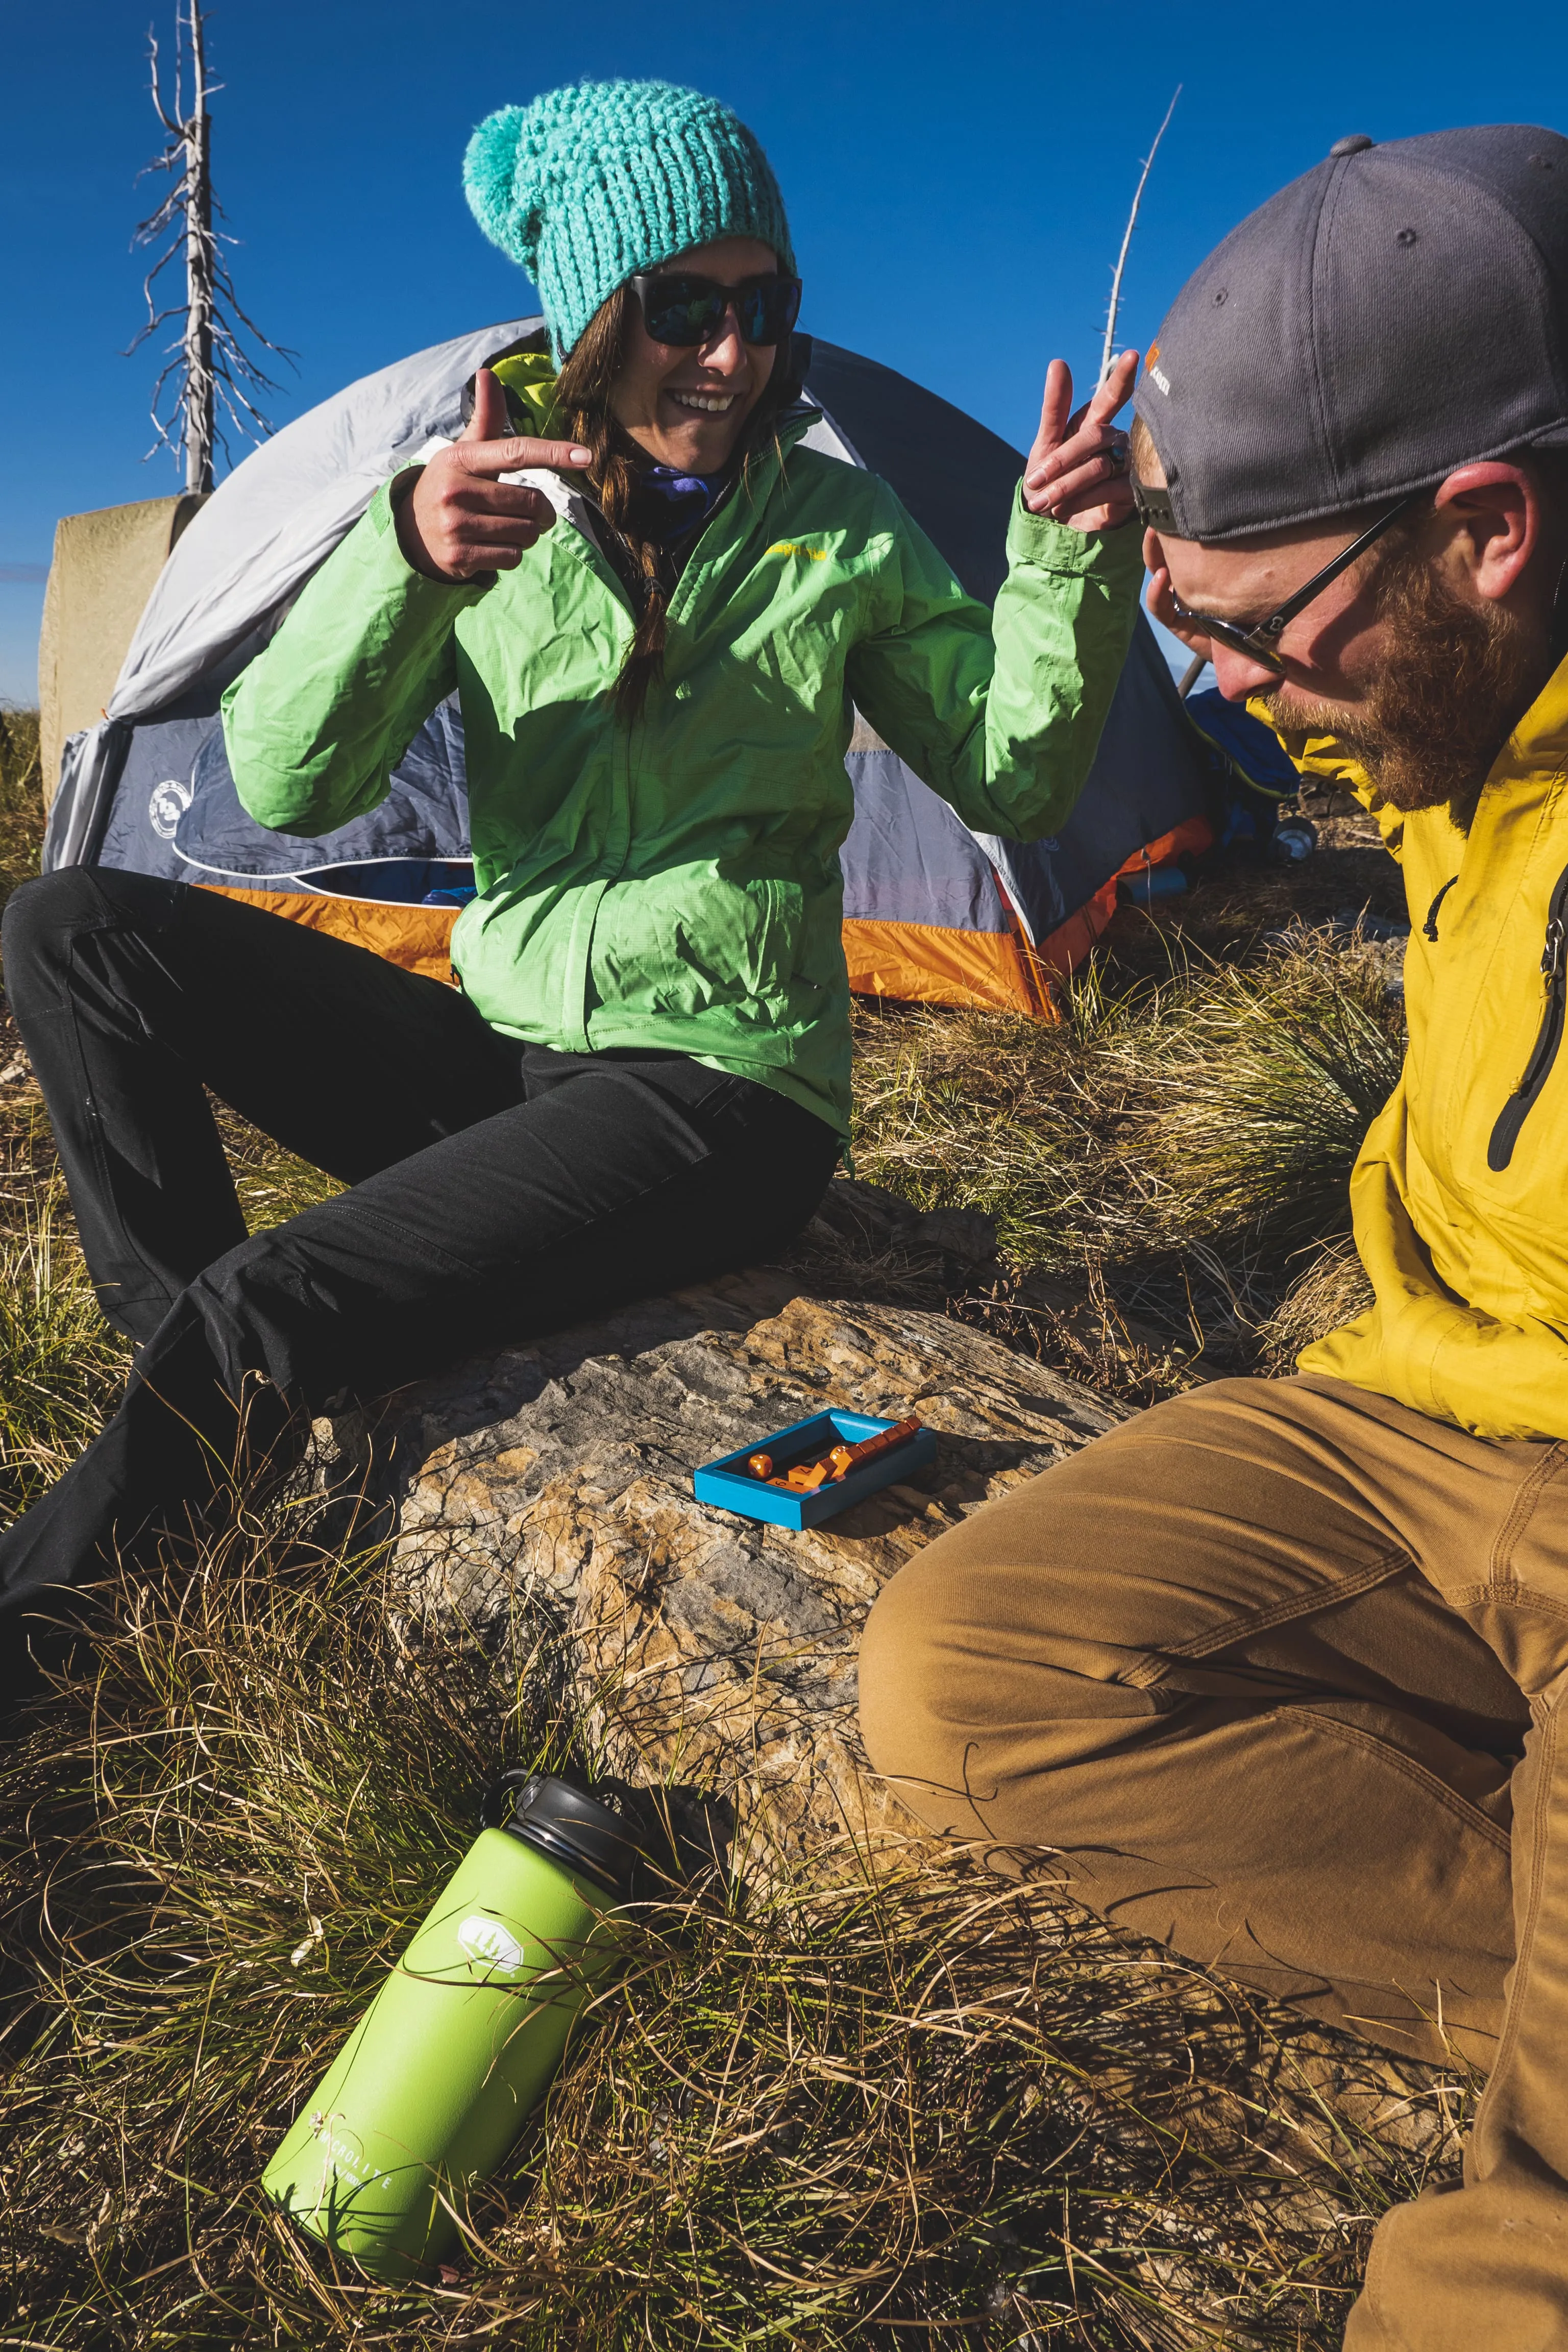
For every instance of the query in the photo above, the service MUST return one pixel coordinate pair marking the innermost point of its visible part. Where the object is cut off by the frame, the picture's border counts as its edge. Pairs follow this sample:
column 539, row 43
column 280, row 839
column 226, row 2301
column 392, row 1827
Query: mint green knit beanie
column 593, row 183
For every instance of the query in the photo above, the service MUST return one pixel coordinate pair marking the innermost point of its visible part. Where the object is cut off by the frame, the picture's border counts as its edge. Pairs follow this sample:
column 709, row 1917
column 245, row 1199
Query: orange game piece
column 806, row 1477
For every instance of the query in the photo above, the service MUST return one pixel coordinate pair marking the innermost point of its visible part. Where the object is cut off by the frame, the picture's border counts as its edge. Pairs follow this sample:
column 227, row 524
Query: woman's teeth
column 708, row 404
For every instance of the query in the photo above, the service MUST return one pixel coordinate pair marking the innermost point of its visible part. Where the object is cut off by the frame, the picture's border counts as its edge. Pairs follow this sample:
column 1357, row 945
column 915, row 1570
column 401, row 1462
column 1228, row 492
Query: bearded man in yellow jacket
column 1279, row 1669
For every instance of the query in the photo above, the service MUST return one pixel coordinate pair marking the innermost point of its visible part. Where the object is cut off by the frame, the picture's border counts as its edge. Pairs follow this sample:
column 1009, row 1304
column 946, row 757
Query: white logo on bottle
column 488, row 1940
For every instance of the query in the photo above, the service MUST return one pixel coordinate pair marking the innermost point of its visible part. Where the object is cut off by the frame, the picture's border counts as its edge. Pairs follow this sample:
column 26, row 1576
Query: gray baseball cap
column 1395, row 312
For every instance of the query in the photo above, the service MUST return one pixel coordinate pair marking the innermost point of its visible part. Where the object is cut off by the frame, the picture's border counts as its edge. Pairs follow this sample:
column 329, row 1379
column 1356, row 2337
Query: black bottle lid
column 570, row 1826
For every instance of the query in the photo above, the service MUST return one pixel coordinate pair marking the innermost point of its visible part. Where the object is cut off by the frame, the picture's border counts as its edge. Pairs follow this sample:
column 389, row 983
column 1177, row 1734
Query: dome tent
column 932, row 912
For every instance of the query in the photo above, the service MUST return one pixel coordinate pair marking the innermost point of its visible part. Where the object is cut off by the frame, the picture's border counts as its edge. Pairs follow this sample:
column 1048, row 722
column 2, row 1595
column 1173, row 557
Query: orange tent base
column 1003, row 971
column 418, row 938
column 1065, row 948
column 922, row 963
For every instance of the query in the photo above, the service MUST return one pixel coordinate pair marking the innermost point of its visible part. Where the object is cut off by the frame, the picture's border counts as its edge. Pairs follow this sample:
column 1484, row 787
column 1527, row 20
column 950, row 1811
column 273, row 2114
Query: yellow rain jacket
column 1460, row 1195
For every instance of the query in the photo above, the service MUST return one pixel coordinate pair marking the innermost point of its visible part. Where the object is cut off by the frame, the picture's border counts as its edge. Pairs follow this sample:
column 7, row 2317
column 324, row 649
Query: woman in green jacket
column 658, row 610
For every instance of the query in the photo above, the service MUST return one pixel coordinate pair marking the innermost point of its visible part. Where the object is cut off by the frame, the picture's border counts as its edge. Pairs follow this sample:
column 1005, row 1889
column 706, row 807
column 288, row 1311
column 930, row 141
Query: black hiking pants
column 499, row 1189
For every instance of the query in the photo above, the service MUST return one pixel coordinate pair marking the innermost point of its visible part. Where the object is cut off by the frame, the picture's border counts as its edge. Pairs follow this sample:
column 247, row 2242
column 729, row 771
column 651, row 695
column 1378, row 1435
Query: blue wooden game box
column 728, row 1484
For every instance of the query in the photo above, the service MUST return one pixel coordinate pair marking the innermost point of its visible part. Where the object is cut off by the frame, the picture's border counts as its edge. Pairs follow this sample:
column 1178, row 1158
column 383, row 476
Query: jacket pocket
column 689, row 943
column 1549, row 1036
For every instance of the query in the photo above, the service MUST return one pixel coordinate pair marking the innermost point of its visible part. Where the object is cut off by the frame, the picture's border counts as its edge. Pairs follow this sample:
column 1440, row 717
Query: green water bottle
column 435, row 2081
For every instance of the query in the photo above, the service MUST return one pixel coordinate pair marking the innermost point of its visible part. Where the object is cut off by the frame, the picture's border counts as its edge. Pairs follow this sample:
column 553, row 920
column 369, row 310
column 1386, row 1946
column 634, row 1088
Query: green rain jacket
column 674, row 883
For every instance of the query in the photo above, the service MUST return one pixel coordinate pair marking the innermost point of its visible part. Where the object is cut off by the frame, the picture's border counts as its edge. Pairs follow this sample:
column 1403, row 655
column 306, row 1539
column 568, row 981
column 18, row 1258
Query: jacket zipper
column 607, row 569
column 1549, row 1037
column 1429, row 928
column 798, row 422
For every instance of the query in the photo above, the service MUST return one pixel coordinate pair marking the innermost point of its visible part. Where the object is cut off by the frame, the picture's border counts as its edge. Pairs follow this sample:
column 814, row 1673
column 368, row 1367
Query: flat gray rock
column 550, row 1487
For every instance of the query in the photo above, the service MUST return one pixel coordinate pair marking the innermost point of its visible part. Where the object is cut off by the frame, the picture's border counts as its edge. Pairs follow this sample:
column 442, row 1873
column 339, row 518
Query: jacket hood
column 528, row 377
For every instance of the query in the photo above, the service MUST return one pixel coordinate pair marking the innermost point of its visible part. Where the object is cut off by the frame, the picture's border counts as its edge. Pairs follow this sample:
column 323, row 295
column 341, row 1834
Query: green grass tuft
column 61, row 1366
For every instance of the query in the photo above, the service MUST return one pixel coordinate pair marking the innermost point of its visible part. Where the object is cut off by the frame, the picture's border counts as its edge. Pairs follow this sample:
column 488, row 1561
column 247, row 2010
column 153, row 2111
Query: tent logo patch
column 167, row 805
column 488, row 1941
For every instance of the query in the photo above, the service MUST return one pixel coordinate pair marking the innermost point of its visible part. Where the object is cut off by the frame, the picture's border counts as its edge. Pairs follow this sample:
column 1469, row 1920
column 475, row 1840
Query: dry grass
column 1248, row 1091
column 61, row 1366
column 1332, row 1291
column 1173, row 1147
column 937, row 2109
column 21, row 801
column 932, row 2110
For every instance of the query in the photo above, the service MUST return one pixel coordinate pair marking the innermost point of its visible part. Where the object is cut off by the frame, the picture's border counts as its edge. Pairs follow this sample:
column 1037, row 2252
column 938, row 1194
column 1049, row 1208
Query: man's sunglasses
column 687, row 311
column 1258, row 641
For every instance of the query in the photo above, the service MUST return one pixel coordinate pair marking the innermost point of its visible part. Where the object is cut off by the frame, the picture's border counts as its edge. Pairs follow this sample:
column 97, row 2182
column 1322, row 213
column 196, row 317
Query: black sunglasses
column 687, row 311
column 1258, row 641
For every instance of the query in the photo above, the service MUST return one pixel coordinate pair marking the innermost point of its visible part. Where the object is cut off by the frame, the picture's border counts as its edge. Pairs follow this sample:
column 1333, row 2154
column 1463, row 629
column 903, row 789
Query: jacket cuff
column 1115, row 557
column 381, row 519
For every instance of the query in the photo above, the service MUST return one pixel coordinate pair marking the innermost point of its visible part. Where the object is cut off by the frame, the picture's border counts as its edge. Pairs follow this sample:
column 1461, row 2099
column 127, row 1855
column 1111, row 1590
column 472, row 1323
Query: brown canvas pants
column 1279, row 1670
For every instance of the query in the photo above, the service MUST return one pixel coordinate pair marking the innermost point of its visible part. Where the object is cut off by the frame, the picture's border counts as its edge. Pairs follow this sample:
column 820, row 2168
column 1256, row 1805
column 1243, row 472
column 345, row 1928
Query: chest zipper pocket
column 1548, row 1038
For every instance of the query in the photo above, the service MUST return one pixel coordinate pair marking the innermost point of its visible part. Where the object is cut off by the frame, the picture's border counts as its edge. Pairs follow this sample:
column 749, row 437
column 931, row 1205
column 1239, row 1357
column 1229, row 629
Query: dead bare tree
column 1109, row 353
column 212, row 374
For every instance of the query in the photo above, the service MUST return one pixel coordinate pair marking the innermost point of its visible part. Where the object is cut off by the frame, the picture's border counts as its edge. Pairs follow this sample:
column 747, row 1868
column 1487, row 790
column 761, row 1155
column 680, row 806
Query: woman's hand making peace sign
column 1076, row 472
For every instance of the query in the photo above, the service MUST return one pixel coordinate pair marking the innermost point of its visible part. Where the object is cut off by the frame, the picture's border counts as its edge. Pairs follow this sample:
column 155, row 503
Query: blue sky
column 957, row 179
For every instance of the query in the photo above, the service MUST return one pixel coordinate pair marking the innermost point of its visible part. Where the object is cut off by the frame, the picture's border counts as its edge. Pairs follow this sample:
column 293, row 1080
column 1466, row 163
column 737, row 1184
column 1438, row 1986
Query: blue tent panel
column 176, row 815
column 1150, row 776
column 908, row 858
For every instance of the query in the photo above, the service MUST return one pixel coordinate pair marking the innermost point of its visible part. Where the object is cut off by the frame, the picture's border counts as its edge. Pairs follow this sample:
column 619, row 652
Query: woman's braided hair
column 583, row 399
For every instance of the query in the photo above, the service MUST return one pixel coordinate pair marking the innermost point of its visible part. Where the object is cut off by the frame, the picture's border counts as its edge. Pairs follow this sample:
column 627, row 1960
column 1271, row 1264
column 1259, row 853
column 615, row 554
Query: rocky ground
column 548, row 1488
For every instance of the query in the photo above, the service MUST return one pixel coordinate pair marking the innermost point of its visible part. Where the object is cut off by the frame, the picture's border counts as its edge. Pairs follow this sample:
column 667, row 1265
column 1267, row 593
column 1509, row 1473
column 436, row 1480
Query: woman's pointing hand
column 459, row 520
column 1077, row 470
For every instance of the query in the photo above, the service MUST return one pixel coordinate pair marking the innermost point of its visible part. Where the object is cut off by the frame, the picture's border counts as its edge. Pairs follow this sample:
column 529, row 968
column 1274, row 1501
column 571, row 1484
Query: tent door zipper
column 1549, row 1037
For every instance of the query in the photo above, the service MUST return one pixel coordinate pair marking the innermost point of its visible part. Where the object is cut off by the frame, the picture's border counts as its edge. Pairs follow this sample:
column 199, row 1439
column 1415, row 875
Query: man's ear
column 1493, row 513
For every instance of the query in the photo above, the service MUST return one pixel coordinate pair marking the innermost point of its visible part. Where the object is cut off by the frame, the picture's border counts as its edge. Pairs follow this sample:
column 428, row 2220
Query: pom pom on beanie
column 490, row 175
column 596, row 182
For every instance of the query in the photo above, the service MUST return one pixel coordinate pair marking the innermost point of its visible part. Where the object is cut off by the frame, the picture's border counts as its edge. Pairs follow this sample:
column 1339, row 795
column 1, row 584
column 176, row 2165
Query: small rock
column 859, row 1223
column 863, row 1220
column 965, row 1234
